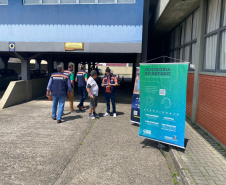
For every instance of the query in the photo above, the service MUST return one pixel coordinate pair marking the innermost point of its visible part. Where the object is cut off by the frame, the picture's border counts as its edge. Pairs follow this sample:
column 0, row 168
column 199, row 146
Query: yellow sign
column 12, row 46
column 70, row 46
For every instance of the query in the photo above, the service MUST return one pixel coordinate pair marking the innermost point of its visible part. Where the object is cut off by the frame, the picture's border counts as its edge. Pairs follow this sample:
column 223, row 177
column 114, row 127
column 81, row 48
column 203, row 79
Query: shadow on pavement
column 70, row 118
column 149, row 143
column 123, row 95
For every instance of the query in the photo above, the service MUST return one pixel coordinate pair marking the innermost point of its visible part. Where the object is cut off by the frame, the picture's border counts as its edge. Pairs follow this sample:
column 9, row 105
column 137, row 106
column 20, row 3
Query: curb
column 181, row 167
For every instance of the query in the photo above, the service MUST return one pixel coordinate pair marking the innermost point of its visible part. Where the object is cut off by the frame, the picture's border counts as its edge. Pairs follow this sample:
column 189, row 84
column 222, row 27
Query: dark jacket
column 112, row 80
column 59, row 84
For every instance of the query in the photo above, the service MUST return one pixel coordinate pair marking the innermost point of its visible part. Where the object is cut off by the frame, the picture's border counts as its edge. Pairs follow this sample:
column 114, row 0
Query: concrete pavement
column 36, row 150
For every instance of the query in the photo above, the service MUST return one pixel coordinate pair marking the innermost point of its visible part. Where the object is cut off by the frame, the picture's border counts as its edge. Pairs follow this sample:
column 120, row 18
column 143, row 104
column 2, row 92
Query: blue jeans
column 61, row 100
column 83, row 95
column 108, row 97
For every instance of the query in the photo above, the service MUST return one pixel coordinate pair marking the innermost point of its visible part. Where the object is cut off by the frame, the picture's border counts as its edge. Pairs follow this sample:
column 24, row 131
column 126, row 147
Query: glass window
column 86, row 1
column 213, row 16
column 31, row 1
column 188, row 29
column 126, row 1
column 3, row 2
column 171, row 40
column 182, row 33
column 171, row 56
column 67, row 1
column 210, row 52
column 194, row 54
column 223, row 51
column 175, row 55
column 181, row 54
column 54, row 2
column 50, row 1
column 176, row 41
column 195, row 25
column 224, row 13
column 106, row 1
column 187, row 53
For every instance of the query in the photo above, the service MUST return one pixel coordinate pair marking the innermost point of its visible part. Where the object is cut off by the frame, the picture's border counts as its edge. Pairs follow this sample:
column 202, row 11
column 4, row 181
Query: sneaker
column 91, row 117
column 96, row 115
column 74, row 111
column 106, row 114
column 114, row 115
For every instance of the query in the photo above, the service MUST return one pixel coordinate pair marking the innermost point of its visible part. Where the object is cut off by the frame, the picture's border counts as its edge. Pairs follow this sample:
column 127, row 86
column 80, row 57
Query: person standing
column 71, row 76
column 58, row 85
column 109, row 83
column 92, row 89
column 81, row 78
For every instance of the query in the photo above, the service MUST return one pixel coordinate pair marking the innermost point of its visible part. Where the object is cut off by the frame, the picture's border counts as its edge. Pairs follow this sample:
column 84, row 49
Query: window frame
column 5, row 4
column 77, row 3
column 218, row 32
column 185, row 44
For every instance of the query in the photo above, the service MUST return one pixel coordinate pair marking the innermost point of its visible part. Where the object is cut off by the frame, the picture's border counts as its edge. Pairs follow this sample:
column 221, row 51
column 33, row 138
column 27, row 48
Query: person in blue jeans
column 109, row 83
column 81, row 78
column 58, row 86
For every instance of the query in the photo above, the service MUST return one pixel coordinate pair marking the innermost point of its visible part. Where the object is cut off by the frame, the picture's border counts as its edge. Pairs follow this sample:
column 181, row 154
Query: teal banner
column 163, row 102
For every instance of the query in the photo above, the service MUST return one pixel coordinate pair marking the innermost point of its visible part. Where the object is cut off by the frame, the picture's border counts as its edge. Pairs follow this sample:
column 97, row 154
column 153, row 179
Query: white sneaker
column 106, row 114
column 114, row 115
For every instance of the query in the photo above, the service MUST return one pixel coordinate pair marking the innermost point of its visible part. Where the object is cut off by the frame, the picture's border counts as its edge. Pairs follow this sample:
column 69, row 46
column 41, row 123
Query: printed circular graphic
column 12, row 46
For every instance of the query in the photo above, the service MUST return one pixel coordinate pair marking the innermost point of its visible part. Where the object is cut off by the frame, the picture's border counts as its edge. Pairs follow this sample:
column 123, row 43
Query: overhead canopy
column 175, row 12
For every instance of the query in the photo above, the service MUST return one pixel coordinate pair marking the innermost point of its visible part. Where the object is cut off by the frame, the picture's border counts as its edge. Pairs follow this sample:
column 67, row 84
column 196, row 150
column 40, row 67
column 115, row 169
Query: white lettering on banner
column 135, row 113
column 147, row 132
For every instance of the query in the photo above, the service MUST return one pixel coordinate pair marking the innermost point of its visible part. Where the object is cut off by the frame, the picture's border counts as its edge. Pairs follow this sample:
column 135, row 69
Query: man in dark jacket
column 58, row 85
column 109, row 83
column 81, row 78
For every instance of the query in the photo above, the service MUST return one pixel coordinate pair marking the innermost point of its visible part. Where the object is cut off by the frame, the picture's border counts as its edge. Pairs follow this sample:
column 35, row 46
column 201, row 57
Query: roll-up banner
column 163, row 89
column 135, row 109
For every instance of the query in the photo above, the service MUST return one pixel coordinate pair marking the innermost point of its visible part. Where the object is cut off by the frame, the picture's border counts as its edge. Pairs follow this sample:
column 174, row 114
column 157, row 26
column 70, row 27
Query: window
column 67, row 1
column 222, row 65
column 224, row 13
column 194, row 54
column 87, row 1
column 210, row 52
column 49, row 1
column 188, row 29
column 213, row 15
column 177, row 38
column 215, row 38
column 195, row 24
column 55, row 2
column 183, row 37
column 187, row 53
column 171, row 40
column 3, row 2
column 181, row 54
column 182, row 34
column 175, row 55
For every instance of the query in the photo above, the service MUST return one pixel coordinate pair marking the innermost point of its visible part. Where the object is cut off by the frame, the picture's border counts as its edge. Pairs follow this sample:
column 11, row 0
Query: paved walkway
column 36, row 150
column 204, row 158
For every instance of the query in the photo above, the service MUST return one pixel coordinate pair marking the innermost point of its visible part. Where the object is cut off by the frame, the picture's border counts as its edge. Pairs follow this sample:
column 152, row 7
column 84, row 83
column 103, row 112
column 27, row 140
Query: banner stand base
column 162, row 142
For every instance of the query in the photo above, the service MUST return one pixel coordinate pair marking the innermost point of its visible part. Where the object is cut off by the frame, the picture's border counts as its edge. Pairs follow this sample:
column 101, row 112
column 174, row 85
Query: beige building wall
column 121, row 71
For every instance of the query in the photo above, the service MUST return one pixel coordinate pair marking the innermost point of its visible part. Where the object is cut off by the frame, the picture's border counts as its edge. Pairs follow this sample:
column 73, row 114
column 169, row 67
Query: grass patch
column 168, row 165
column 175, row 176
